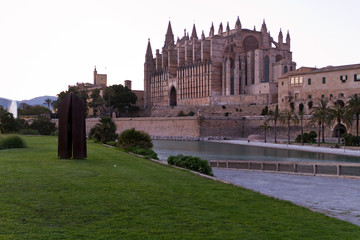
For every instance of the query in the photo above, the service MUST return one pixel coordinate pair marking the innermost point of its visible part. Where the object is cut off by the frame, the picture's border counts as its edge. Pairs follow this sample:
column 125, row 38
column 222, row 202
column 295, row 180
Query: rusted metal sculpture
column 72, row 136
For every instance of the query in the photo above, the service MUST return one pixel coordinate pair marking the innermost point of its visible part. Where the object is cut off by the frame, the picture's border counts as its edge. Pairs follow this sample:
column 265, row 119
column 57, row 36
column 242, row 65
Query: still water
column 226, row 151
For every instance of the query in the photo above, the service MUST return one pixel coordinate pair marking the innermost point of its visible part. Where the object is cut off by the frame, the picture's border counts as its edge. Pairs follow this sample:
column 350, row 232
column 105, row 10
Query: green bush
column 12, row 141
column 104, row 131
column 308, row 137
column 146, row 152
column 192, row 163
column 351, row 140
column 133, row 138
column 43, row 125
column 28, row 132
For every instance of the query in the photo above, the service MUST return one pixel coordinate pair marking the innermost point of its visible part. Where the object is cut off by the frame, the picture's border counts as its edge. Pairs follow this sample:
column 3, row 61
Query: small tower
column 95, row 74
column 288, row 39
column 280, row 38
column 211, row 33
column 169, row 37
column 263, row 27
column 203, row 35
column 194, row 34
column 149, row 69
column 238, row 24
column 227, row 29
column 220, row 32
column 128, row 84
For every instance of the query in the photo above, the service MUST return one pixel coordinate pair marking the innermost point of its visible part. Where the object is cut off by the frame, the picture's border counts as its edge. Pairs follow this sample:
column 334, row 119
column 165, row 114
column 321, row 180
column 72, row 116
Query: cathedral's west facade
column 235, row 66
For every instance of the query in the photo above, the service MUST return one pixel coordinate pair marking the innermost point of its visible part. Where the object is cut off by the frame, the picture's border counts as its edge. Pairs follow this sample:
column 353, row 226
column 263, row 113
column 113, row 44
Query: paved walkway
column 308, row 148
column 335, row 197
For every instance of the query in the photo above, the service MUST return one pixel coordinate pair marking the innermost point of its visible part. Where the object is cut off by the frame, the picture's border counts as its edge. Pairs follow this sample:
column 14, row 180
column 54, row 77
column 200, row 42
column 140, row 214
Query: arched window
column 266, row 69
column 285, row 69
column 172, row 97
column 291, row 68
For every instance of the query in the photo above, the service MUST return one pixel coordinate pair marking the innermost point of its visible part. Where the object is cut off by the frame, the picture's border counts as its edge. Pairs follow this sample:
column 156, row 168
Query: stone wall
column 204, row 127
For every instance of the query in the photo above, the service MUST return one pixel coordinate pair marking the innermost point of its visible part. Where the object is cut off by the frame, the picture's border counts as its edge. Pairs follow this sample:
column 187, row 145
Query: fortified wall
column 203, row 127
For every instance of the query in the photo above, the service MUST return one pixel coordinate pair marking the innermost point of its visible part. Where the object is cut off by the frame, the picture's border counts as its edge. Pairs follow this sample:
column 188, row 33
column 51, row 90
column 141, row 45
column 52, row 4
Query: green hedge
column 192, row 163
column 146, row 152
column 12, row 141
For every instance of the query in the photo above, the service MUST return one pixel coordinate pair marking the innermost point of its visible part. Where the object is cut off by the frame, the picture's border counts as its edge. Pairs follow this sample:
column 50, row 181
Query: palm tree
column 287, row 116
column 265, row 127
column 48, row 102
column 339, row 114
column 301, row 114
column 321, row 115
column 353, row 108
column 274, row 116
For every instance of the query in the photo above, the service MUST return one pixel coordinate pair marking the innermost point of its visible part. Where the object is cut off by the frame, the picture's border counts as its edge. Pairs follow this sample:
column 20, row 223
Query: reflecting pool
column 226, row 151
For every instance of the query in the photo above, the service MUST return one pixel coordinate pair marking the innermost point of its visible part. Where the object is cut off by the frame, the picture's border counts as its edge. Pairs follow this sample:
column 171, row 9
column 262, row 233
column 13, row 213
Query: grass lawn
column 113, row 195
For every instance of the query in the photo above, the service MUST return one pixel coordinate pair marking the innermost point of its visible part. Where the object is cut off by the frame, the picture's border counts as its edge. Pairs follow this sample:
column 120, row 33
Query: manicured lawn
column 113, row 195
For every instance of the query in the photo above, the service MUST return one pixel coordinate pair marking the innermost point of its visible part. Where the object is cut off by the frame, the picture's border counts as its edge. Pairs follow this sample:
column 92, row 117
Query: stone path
column 335, row 197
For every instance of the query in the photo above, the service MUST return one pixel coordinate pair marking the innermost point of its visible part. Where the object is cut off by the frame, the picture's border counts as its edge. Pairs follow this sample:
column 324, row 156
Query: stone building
column 307, row 85
column 231, row 67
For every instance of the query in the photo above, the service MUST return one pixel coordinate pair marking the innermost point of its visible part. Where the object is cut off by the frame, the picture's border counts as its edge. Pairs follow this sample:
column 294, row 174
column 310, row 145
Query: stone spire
column 220, row 32
column 280, row 37
column 211, row 33
column 169, row 37
column 203, row 35
column 288, row 39
column 263, row 27
column 194, row 34
column 148, row 54
column 227, row 29
column 238, row 24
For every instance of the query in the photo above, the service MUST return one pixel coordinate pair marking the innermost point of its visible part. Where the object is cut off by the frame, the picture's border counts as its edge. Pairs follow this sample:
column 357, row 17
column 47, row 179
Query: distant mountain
column 5, row 102
column 34, row 101
column 38, row 100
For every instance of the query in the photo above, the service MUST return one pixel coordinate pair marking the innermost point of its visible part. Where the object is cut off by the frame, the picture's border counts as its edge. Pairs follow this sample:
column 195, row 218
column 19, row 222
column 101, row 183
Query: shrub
column 13, row 141
column 308, row 137
column 192, row 163
column 351, row 140
column 191, row 113
column 43, row 125
column 104, row 131
column 28, row 132
column 133, row 138
column 146, row 152
column 181, row 113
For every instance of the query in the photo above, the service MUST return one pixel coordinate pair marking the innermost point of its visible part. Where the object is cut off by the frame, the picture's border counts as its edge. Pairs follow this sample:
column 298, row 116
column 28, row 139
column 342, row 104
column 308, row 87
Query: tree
column 96, row 101
column 35, row 110
column 353, row 108
column 104, row 131
column 8, row 123
column 265, row 127
column 301, row 114
column 321, row 116
column 83, row 95
column 48, row 102
column 339, row 114
column 274, row 116
column 43, row 125
column 286, row 117
column 121, row 98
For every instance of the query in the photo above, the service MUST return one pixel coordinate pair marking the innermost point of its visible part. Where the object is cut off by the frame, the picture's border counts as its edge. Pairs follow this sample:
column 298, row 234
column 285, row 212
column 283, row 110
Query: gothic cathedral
column 232, row 67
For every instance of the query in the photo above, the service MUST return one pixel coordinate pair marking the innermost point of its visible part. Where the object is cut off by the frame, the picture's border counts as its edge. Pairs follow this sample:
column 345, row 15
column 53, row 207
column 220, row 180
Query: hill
column 34, row 101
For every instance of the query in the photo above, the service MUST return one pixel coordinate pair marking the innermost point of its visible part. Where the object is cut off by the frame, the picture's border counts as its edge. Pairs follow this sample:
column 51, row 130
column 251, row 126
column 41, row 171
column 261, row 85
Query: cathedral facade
column 233, row 67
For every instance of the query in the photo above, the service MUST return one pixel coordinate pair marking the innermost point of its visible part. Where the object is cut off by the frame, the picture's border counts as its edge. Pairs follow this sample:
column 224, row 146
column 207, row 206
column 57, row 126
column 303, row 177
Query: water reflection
column 225, row 151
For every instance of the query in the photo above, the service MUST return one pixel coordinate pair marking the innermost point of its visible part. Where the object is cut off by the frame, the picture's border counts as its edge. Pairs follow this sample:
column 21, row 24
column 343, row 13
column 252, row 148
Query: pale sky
column 46, row 45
